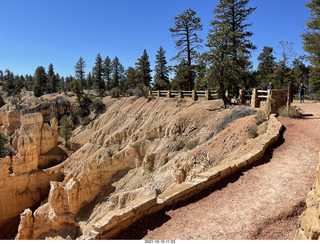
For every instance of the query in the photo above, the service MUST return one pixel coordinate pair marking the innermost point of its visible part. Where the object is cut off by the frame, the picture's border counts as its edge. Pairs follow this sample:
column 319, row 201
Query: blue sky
column 39, row 32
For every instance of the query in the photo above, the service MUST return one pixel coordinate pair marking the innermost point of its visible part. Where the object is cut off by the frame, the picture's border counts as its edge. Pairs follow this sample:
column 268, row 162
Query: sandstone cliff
column 137, row 148
column 22, row 184
column 309, row 228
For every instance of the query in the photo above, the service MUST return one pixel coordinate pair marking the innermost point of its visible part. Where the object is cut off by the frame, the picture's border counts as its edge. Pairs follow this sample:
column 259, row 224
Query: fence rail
column 207, row 94
column 253, row 96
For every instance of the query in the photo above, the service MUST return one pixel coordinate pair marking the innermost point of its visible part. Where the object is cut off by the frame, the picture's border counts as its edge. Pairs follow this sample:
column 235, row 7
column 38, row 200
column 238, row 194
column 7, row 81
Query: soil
column 263, row 201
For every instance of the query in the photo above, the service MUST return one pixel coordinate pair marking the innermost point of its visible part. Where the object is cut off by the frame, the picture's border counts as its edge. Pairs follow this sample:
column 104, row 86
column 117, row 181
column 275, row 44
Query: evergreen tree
column 161, row 77
column 180, row 80
column 66, row 130
column 229, row 45
column 97, row 72
column 131, row 78
column 40, row 81
column 107, row 70
column 9, row 82
column 300, row 72
column 201, row 74
column 89, row 80
column 185, row 30
column 52, row 80
column 283, row 69
column 143, row 69
column 80, row 73
column 266, row 66
column 117, row 75
column 76, row 87
column 3, row 145
column 311, row 40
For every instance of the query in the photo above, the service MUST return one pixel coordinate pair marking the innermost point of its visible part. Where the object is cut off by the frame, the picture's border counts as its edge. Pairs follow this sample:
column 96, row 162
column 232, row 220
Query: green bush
column 237, row 113
column 98, row 106
column 253, row 132
column 260, row 117
column 179, row 145
column 316, row 96
column 192, row 144
column 291, row 112
column 115, row 92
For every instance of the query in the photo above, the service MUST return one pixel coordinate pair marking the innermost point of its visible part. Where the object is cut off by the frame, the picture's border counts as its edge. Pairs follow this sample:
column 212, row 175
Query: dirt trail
column 261, row 202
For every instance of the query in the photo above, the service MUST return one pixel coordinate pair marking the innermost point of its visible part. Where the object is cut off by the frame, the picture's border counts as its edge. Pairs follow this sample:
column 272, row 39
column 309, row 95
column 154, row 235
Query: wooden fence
column 243, row 97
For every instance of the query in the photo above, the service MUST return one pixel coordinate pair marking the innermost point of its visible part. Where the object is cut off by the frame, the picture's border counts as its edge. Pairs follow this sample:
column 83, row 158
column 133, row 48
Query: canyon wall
column 22, row 184
column 138, row 148
column 309, row 221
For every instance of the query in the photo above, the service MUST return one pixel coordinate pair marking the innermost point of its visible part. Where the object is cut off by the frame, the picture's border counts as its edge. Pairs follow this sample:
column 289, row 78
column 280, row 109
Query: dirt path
column 261, row 202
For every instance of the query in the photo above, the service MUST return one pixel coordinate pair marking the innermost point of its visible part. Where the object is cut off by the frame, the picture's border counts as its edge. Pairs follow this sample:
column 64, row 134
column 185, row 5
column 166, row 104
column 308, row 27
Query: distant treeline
column 225, row 64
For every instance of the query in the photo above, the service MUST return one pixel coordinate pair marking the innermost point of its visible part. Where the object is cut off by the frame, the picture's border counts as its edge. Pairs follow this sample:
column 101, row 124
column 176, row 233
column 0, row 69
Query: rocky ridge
column 137, row 147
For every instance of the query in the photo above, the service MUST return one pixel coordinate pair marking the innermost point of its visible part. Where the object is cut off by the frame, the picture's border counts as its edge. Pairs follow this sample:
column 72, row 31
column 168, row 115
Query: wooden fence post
column 194, row 95
column 158, row 94
column 255, row 99
column 242, row 96
column 169, row 94
column 180, row 94
column 207, row 95
column 289, row 96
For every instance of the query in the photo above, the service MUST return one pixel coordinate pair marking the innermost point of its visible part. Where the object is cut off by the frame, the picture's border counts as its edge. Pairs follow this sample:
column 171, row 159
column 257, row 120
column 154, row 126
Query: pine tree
column 185, row 30
column 117, row 74
column 107, row 70
column 131, row 78
column 97, row 71
column 180, row 80
column 40, row 81
column 266, row 66
column 80, row 73
column 89, row 80
column 229, row 45
column 311, row 37
column 76, row 87
column 143, row 69
column 283, row 69
column 161, row 77
column 66, row 130
column 52, row 80
column 311, row 40
column 300, row 72
column 3, row 146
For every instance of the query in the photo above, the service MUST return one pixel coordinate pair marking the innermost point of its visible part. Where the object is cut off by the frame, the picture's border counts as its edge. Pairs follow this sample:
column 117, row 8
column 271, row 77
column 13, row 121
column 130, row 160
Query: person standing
column 270, row 86
column 301, row 90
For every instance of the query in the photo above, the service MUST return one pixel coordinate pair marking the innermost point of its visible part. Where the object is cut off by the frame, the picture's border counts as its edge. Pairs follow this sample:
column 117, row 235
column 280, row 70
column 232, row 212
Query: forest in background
column 224, row 65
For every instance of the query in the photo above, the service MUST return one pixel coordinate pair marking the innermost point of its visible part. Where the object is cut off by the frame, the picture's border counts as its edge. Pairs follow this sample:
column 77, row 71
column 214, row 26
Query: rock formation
column 22, row 185
column 129, row 152
column 310, row 218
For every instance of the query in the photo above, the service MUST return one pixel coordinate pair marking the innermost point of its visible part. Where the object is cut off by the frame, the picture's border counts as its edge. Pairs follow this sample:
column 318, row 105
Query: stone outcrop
column 22, row 185
column 309, row 228
column 129, row 165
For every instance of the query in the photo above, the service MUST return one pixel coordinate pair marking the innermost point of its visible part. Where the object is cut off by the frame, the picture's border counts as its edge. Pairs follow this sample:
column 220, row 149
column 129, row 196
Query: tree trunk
column 189, row 62
column 222, row 90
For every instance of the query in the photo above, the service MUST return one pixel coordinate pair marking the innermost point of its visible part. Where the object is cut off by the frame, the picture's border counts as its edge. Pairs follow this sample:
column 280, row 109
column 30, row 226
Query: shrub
column 179, row 145
column 1, row 101
column 192, row 144
column 98, row 106
column 66, row 130
column 260, row 117
column 237, row 113
column 253, row 132
column 316, row 96
column 291, row 112
column 115, row 92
